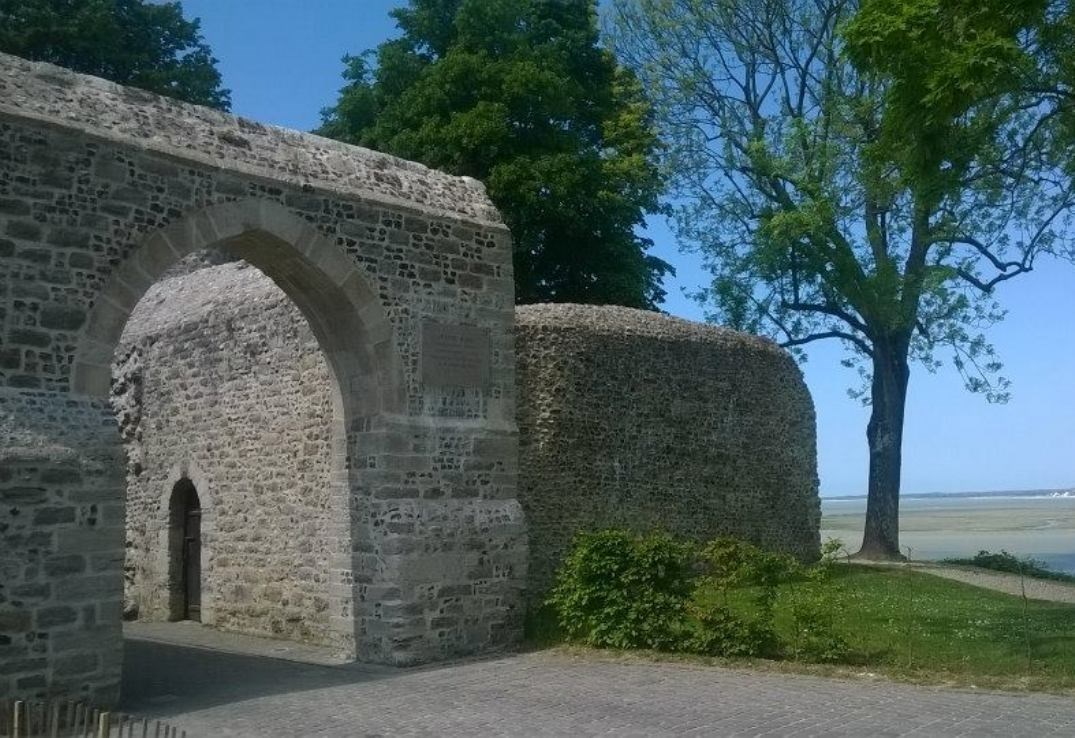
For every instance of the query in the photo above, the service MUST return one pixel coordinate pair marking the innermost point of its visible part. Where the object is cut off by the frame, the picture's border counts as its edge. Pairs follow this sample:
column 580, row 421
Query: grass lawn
column 910, row 623
column 916, row 627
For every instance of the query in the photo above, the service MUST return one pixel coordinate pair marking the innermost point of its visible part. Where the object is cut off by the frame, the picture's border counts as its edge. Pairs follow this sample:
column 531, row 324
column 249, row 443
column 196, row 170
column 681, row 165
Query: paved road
column 210, row 693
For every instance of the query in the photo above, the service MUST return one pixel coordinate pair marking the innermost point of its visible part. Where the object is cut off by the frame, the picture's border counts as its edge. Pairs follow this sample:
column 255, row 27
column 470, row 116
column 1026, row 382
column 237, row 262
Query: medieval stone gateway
column 267, row 381
column 102, row 190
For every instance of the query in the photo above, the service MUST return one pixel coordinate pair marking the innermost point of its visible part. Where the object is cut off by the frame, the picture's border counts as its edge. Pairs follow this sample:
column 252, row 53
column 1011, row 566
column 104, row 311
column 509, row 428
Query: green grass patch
column 905, row 625
column 1011, row 564
column 908, row 623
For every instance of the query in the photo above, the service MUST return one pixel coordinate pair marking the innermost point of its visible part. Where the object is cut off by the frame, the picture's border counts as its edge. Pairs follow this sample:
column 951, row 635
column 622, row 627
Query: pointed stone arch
column 343, row 311
column 344, row 314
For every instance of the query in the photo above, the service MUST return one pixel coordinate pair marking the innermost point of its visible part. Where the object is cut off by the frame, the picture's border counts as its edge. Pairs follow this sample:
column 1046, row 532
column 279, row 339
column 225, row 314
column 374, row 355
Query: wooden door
column 192, row 562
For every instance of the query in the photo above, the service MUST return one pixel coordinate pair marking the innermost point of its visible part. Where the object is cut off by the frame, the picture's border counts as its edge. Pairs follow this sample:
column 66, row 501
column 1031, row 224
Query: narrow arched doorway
column 185, row 552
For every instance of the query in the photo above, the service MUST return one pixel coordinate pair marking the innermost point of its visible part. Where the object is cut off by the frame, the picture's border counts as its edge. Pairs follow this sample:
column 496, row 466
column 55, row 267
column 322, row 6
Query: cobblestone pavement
column 190, row 633
column 209, row 693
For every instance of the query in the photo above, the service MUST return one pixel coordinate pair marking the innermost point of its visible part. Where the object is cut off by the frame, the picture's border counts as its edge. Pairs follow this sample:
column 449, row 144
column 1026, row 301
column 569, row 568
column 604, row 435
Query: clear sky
column 281, row 59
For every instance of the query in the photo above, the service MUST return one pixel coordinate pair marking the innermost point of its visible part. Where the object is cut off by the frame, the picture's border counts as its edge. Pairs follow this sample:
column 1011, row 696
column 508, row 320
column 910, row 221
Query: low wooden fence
column 63, row 719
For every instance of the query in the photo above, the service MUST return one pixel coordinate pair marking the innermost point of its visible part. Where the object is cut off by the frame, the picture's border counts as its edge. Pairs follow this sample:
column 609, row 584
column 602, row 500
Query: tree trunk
column 884, row 433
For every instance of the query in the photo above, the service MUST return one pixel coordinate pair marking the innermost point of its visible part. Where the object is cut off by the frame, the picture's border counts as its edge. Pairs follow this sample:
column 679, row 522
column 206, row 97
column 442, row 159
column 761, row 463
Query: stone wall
column 219, row 371
column 61, row 546
column 635, row 419
column 626, row 418
column 102, row 190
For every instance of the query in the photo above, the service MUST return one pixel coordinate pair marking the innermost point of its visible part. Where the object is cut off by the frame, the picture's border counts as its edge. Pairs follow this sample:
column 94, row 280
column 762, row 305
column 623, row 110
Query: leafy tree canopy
column 951, row 60
column 132, row 42
column 518, row 94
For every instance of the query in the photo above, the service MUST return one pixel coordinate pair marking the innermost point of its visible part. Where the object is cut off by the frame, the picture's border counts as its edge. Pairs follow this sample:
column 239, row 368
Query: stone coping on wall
column 57, row 96
column 616, row 320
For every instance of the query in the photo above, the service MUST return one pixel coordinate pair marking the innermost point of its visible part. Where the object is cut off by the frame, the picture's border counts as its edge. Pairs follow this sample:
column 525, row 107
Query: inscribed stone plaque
column 455, row 355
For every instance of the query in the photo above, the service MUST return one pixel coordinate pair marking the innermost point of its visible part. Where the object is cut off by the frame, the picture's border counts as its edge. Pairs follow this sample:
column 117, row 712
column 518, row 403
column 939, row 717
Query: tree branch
column 843, row 335
column 832, row 310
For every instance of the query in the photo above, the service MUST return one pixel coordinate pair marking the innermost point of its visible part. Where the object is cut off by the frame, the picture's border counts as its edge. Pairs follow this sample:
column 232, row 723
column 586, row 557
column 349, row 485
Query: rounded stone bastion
column 635, row 419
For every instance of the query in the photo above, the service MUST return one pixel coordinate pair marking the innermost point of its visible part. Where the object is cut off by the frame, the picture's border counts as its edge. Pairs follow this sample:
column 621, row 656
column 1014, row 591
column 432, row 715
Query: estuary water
column 1041, row 526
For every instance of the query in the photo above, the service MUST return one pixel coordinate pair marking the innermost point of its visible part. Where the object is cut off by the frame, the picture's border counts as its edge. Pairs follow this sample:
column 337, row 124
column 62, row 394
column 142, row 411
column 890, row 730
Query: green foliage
column 961, row 52
column 143, row 44
column 734, row 573
column 729, row 564
column 895, row 621
column 619, row 590
column 834, row 203
column 1012, row 564
column 519, row 94
column 959, row 60
column 720, row 631
column 832, row 549
column 814, row 633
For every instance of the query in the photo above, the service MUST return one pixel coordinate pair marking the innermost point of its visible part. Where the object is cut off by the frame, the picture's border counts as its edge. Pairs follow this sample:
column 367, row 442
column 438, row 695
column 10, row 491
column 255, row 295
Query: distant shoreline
column 1062, row 492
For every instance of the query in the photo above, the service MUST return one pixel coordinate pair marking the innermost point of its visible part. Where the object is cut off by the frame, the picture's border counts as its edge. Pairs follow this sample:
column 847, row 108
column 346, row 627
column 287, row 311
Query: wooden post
column 16, row 720
column 54, row 720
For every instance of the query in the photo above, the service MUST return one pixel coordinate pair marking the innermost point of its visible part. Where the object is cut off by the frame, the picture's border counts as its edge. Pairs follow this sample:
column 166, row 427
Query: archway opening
column 184, row 552
column 225, row 395
column 248, row 376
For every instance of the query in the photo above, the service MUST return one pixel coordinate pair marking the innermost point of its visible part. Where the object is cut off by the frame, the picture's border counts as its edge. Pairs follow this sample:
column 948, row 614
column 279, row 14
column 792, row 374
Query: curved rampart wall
column 640, row 420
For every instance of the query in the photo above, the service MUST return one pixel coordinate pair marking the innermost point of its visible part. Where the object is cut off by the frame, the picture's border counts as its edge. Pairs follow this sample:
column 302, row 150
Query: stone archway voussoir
column 189, row 233
column 332, row 262
column 378, row 329
column 108, row 320
column 95, row 349
column 92, row 379
column 357, row 290
column 276, row 219
column 155, row 255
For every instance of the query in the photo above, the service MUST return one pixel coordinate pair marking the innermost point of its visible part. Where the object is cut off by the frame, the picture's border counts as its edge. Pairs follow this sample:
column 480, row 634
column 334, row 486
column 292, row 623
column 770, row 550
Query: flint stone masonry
column 635, row 419
column 103, row 189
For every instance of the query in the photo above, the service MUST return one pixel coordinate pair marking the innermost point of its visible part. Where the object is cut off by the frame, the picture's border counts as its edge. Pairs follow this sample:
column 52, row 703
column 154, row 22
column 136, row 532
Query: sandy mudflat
column 931, row 528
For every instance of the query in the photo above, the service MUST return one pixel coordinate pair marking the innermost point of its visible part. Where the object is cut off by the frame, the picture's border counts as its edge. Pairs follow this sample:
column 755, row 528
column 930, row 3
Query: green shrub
column 832, row 550
column 814, row 636
column 1012, row 564
column 735, row 597
column 721, row 632
column 731, row 564
column 620, row 590
column 617, row 589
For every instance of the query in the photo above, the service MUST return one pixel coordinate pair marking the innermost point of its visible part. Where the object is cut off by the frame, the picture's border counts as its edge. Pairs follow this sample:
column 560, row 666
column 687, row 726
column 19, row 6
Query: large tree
column 824, row 216
column 519, row 94
column 132, row 42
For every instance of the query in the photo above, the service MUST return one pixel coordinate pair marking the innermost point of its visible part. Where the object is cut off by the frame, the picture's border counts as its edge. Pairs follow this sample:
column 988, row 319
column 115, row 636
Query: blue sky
column 281, row 59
